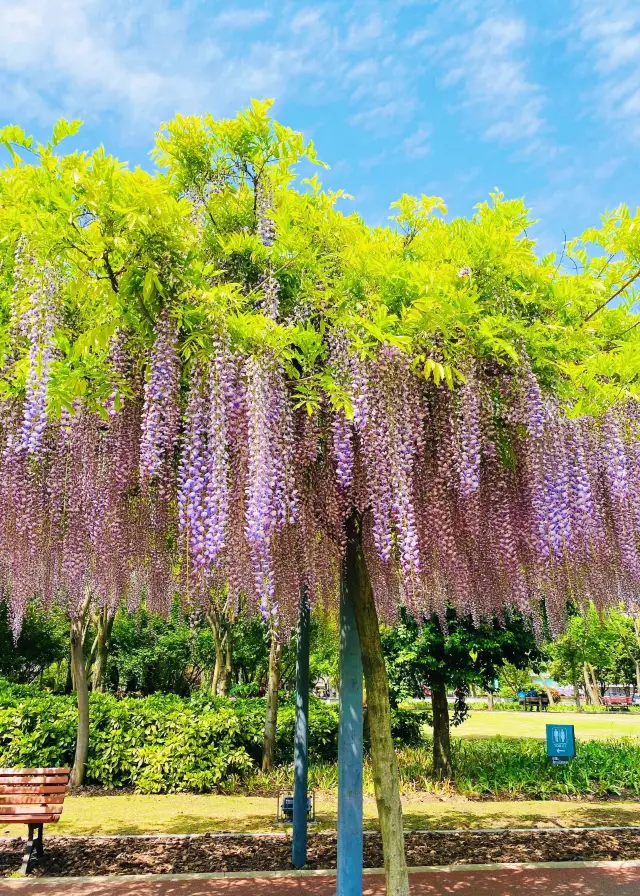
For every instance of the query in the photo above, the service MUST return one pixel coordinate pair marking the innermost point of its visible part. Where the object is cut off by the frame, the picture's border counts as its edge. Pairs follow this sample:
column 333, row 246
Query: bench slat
column 32, row 788
column 29, row 819
column 12, row 772
column 29, row 799
column 30, row 810
column 33, row 779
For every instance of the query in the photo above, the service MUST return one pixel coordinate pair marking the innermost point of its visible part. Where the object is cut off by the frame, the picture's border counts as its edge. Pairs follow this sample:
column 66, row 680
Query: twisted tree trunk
column 271, row 719
column 104, row 625
column 383, row 758
column 442, row 765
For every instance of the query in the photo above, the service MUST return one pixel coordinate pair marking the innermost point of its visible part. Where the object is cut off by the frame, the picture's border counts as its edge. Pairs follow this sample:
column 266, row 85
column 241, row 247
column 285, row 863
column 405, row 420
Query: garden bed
column 79, row 856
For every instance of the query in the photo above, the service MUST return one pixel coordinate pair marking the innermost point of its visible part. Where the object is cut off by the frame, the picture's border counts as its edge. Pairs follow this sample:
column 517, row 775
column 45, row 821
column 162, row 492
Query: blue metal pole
column 300, row 750
column 349, row 754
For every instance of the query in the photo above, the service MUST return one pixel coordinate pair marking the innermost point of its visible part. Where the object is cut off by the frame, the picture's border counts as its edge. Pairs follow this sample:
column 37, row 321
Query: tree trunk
column 442, row 765
column 637, row 677
column 383, row 758
column 214, row 624
column 593, row 693
column 104, row 623
column 225, row 681
column 490, row 701
column 79, row 670
column 576, row 689
column 215, row 677
column 271, row 720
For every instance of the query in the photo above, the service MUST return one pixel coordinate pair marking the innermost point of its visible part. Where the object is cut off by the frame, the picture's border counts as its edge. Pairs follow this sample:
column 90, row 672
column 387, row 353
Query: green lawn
column 189, row 813
column 589, row 726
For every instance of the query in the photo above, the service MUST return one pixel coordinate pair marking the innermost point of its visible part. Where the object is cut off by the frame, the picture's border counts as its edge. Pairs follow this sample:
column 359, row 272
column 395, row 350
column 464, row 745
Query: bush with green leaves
column 164, row 743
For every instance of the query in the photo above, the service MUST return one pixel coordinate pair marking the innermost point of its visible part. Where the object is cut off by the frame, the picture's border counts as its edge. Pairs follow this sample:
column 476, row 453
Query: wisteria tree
column 214, row 379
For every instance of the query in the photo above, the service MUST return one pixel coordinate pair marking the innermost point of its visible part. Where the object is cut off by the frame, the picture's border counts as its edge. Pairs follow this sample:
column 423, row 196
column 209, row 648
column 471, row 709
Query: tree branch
column 615, row 295
column 110, row 272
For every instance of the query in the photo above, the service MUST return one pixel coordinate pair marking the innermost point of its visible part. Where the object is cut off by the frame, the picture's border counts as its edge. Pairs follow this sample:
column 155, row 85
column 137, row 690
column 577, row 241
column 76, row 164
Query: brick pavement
column 604, row 880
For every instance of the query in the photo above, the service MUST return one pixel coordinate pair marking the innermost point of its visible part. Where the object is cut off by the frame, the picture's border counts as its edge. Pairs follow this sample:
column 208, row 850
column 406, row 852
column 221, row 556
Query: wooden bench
column 541, row 702
column 32, row 796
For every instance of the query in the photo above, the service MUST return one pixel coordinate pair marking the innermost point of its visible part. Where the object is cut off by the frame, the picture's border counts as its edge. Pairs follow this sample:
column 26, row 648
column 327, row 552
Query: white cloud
column 416, row 146
column 241, row 19
column 488, row 61
column 141, row 63
column 610, row 32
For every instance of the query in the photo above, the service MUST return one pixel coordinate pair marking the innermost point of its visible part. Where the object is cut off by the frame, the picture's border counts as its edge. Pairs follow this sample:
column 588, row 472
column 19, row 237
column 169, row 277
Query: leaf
column 63, row 128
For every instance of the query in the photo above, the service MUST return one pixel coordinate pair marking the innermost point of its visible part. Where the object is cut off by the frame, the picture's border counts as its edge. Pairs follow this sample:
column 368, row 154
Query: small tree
column 462, row 654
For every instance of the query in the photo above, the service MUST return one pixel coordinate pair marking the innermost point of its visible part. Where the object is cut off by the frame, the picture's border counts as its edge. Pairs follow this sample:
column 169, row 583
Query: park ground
column 588, row 726
column 185, row 813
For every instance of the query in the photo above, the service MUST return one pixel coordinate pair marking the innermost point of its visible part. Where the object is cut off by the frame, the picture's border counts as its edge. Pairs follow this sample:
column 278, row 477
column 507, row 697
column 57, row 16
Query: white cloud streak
column 610, row 33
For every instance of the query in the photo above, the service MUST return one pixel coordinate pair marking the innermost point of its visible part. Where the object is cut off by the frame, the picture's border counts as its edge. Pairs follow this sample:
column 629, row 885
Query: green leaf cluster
column 123, row 243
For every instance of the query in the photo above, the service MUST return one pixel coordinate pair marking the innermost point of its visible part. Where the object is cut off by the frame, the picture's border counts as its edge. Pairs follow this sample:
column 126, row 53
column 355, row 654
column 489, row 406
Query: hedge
column 163, row 743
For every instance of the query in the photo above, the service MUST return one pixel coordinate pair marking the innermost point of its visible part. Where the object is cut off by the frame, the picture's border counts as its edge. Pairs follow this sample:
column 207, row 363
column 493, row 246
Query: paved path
column 590, row 881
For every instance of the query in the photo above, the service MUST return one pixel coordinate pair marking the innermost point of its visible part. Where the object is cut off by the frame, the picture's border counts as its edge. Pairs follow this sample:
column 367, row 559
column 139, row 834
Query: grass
column 532, row 724
column 191, row 814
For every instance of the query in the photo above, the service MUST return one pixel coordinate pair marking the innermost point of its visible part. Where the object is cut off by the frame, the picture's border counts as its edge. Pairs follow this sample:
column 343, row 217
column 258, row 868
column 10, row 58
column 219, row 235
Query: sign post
column 561, row 743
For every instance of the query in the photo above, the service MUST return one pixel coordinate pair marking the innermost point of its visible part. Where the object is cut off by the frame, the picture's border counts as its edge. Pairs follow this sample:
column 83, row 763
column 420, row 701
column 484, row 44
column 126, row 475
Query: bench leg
column 40, row 841
column 34, row 842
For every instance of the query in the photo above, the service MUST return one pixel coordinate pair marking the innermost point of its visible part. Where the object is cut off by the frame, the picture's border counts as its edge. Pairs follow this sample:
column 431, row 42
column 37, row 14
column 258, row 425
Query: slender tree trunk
column 271, row 720
column 104, row 623
column 225, row 681
column 490, row 701
column 637, row 677
column 214, row 624
column 442, row 765
column 215, row 676
column 79, row 671
column 383, row 758
column 576, row 691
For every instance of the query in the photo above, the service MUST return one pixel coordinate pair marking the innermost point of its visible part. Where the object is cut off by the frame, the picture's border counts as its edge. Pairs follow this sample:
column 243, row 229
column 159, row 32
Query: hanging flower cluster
column 482, row 496
column 160, row 416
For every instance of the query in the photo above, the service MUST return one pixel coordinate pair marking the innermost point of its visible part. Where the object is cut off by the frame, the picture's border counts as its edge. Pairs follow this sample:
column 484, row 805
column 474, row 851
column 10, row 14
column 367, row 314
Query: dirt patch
column 74, row 856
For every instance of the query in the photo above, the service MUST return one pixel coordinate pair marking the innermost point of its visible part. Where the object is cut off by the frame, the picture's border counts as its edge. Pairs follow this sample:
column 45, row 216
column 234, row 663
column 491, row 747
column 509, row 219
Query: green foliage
column 150, row 653
column 609, row 642
column 164, row 743
column 466, row 654
column 43, row 640
column 123, row 242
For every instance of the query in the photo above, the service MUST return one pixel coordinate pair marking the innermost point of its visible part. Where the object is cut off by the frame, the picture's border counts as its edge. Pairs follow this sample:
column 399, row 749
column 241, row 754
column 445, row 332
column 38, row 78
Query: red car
column 616, row 695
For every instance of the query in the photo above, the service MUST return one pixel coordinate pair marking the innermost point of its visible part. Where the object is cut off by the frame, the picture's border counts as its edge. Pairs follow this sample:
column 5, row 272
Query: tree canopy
column 209, row 369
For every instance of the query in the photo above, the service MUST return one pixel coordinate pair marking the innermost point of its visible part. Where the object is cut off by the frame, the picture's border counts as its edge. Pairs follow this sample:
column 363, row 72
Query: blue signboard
column 561, row 743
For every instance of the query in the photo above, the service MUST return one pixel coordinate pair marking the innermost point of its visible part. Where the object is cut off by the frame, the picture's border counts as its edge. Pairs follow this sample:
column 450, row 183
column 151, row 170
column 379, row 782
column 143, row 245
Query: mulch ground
column 75, row 856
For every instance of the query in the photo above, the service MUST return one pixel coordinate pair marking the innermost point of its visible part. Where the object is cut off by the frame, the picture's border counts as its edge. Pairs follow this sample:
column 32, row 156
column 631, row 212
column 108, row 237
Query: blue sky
column 540, row 98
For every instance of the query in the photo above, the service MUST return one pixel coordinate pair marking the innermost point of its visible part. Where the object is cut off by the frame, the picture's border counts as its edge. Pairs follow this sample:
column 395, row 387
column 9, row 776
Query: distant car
column 615, row 695
column 636, row 700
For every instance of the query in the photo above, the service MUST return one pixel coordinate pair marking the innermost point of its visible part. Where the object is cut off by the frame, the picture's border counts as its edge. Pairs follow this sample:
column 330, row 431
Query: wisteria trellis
column 482, row 496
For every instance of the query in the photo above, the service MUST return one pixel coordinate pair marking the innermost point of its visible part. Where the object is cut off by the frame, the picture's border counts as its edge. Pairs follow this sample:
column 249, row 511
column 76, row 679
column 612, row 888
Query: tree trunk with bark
column 271, row 720
column 591, row 685
column 442, row 764
column 225, row 681
column 214, row 625
column 221, row 623
column 102, row 645
column 576, row 689
column 383, row 758
column 79, row 672
column 490, row 701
